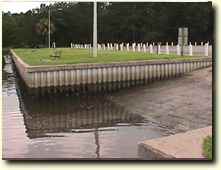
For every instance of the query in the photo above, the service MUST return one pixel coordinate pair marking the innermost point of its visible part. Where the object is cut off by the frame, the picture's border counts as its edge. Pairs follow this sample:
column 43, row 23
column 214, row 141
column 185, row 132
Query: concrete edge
column 150, row 149
column 15, row 56
column 101, row 65
column 149, row 152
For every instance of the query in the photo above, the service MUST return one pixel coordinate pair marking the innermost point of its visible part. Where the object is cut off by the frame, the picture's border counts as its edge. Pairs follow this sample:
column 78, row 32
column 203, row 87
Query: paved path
column 179, row 104
column 180, row 146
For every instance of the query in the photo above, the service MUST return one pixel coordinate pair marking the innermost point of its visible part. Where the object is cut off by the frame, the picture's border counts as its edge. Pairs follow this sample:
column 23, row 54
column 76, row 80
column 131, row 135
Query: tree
column 117, row 22
column 42, row 29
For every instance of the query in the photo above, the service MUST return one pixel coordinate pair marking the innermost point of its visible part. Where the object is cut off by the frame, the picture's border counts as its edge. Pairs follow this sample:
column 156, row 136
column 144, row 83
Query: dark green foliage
column 117, row 22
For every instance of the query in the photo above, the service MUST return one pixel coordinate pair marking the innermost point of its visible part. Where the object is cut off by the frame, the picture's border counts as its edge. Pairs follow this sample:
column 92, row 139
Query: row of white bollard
column 140, row 47
column 206, row 49
column 178, row 51
column 190, row 50
column 167, row 49
column 110, row 45
column 151, row 48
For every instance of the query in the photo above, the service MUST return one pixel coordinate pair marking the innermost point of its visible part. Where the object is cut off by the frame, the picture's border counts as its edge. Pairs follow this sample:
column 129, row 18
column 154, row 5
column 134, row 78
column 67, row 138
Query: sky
column 14, row 6
column 23, row 6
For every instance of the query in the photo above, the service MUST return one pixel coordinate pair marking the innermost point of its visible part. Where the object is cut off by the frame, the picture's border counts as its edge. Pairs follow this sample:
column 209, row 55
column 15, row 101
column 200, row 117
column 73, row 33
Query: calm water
column 68, row 126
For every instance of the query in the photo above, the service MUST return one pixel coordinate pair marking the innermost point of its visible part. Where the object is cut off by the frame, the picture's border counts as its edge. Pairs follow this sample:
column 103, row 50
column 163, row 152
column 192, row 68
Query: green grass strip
column 207, row 147
column 42, row 56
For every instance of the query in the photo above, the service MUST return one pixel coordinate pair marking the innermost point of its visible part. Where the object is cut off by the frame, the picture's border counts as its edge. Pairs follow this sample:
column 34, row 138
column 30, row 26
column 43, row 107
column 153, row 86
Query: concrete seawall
column 84, row 77
column 182, row 146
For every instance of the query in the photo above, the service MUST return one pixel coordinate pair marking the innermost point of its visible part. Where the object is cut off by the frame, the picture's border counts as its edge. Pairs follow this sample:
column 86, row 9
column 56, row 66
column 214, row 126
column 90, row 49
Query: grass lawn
column 75, row 56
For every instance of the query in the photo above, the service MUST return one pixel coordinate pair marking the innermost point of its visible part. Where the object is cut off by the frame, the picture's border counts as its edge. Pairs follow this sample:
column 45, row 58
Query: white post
column 158, row 46
column 195, row 44
column 104, row 46
column 111, row 46
column 95, row 30
column 133, row 46
column 108, row 46
column 206, row 49
column 172, row 44
column 190, row 49
column 147, row 44
column 121, row 46
column 178, row 49
column 151, row 48
column 144, row 48
column 127, row 46
column 99, row 46
column 201, row 43
column 167, row 48
column 138, row 47
column 71, row 45
column 117, row 46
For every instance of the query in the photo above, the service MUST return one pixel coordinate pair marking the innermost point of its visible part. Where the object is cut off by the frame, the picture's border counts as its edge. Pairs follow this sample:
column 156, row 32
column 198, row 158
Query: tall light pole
column 95, row 30
column 49, row 28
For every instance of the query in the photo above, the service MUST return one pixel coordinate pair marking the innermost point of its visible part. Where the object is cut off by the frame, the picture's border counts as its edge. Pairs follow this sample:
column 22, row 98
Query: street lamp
column 95, row 30
column 49, row 25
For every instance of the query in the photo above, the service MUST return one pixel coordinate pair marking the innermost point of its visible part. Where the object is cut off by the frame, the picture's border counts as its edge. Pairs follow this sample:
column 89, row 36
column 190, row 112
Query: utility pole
column 49, row 28
column 182, row 38
column 95, row 30
column 182, row 43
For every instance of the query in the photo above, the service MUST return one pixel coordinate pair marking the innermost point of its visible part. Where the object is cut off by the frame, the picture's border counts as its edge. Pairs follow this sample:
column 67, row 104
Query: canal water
column 63, row 126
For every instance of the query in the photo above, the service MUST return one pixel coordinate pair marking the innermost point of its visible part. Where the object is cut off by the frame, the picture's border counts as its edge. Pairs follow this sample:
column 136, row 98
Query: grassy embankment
column 207, row 147
column 75, row 56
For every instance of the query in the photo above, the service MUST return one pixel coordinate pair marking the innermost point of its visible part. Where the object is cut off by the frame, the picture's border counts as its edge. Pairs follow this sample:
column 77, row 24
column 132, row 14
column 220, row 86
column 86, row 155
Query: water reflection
column 8, row 78
column 51, row 116
column 60, row 113
column 68, row 126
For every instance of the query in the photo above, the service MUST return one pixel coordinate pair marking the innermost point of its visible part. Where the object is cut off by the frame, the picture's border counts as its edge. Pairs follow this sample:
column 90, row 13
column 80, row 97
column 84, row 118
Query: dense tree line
column 117, row 22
